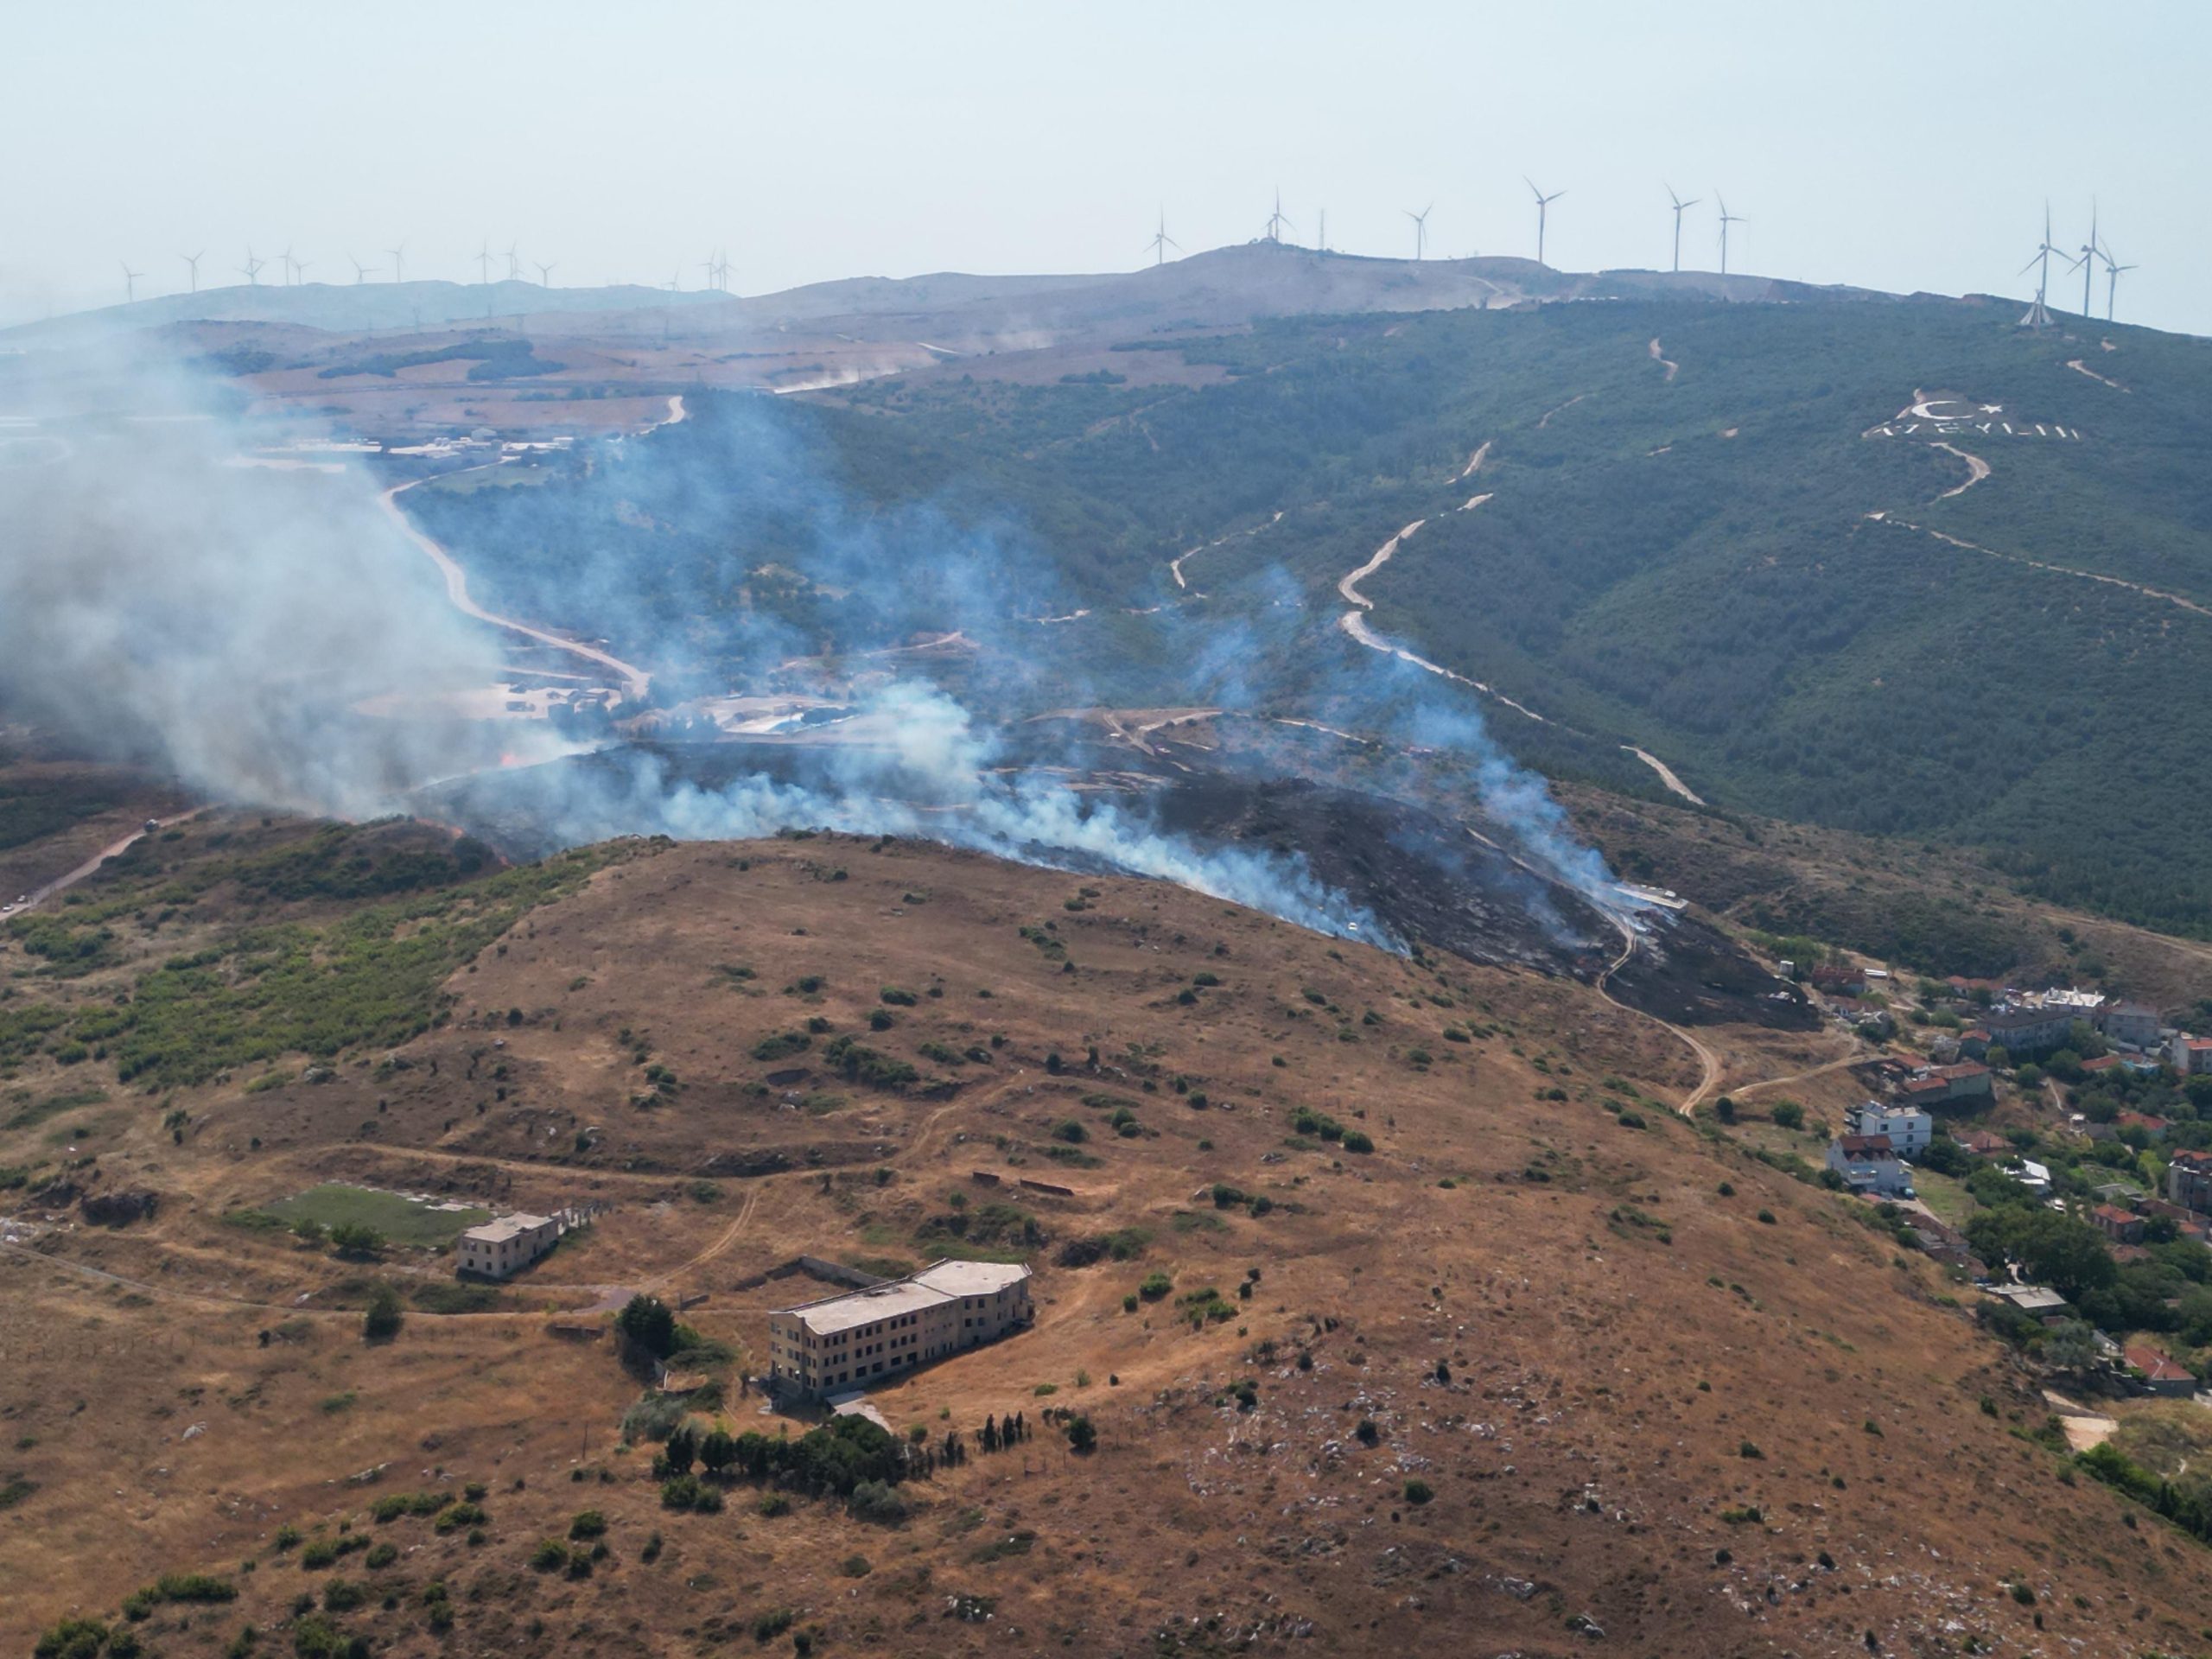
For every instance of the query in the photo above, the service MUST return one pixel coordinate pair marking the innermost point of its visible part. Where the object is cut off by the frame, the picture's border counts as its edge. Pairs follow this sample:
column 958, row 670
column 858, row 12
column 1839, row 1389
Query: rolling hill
column 1400, row 1302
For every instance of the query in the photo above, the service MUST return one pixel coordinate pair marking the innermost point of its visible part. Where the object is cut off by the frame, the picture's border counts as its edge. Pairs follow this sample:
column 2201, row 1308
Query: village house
column 2154, row 1127
column 502, row 1248
column 2120, row 1226
column 2029, row 1030
column 1974, row 1042
column 1936, row 1085
column 1909, row 1129
column 863, row 1337
column 2190, row 1056
column 2130, row 1024
column 1868, row 1164
column 2189, row 1181
column 2160, row 1373
column 1980, row 1143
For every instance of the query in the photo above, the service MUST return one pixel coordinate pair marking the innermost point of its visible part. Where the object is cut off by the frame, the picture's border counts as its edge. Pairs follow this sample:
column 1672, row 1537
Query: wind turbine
column 1726, row 220
column 2087, row 263
column 252, row 269
column 1421, row 226
column 398, row 263
column 544, row 273
column 1543, row 207
column 2038, row 314
column 514, row 263
column 299, row 268
column 484, row 264
column 1680, row 207
column 1321, row 236
column 285, row 260
column 1161, row 241
column 360, row 271
column 130, row 283
column 2111, row 278
column 1276, row 223
column 193, row 260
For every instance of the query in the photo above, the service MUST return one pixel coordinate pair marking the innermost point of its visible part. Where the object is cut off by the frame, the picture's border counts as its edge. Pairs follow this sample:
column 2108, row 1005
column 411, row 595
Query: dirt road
column 1977, row 469
column 635, row 681
column 1663, row 362
column 2040, row 564
column 1666, row 774
column 60, row 884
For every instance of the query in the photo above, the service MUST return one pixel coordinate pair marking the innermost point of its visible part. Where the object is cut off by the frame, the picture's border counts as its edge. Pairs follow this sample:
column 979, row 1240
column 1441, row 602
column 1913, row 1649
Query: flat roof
column 497, row 1231
column 859, row 1307
column 938, row 1283
column 971, row 1278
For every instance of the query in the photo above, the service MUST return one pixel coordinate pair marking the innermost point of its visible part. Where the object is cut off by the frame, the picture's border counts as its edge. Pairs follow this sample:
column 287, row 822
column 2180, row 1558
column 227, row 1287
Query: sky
column 1898, row 146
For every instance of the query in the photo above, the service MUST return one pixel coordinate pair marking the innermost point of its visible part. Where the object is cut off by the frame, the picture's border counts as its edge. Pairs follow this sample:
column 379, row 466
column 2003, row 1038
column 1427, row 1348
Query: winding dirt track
column 634, row 680
column 1666, row 774
column 38, row 896
column 1708, row 1062
column 2040, row 564
column 1977, row 469
column 1663, row 362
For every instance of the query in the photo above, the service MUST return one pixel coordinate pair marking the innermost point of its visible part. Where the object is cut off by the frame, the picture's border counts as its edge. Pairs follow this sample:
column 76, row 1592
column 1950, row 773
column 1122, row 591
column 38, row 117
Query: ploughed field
column 1523, row 1356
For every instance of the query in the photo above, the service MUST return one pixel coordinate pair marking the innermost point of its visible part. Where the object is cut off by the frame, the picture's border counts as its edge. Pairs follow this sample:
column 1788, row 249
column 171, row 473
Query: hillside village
column 2053, row 1147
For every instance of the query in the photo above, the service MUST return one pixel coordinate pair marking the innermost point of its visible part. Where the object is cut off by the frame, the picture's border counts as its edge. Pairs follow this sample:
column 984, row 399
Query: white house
column 505, row 1246
column 1909, row 1129
column 1868, row 1164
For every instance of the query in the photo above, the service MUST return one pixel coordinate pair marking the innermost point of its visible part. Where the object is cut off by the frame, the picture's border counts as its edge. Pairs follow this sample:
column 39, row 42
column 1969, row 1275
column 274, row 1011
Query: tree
column 2069, row 1346
column 717, row 1451
column 645, row 1321
column 1083, row 1439
column 352, row 1238
column 682, row 1451
column 382, row 1320
column 1787, row 1115
column 1725, row 1108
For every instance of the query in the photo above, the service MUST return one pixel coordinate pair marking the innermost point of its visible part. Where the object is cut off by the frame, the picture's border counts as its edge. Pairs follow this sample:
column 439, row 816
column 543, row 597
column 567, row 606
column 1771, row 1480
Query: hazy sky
column 1897, row 145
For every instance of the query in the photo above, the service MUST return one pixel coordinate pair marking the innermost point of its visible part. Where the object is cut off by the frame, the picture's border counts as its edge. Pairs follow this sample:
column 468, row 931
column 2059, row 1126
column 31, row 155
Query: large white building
column 1909, row 1130
column 1868, row 1164
column 863, row 1337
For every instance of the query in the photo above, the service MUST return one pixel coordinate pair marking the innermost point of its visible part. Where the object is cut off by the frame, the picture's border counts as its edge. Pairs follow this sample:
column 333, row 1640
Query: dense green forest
column 1684, row 561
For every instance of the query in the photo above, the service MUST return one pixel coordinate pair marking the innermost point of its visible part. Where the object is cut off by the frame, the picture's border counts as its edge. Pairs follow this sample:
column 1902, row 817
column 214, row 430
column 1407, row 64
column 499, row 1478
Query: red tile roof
column 2114, row 1214
column 2157, row 1366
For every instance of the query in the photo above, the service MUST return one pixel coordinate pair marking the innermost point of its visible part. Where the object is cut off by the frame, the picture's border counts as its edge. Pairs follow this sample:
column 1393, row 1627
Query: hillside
column 1705, row 530
column 1650, row 1387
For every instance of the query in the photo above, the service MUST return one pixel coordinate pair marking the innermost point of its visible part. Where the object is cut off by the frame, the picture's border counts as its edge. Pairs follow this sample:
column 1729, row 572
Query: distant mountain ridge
column 1223, row 286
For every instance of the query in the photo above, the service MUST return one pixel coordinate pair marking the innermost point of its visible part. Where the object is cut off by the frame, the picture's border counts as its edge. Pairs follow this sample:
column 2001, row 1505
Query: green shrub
column 1419, row 1492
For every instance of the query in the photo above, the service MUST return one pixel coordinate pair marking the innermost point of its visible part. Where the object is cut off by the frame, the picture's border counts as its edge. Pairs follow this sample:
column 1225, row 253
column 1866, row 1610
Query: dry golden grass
column 1616, row 1332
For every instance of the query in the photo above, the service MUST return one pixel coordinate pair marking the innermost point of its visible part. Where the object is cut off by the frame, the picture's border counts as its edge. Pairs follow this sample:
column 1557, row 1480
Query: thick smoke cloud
column 254, row 630
column 160, row 599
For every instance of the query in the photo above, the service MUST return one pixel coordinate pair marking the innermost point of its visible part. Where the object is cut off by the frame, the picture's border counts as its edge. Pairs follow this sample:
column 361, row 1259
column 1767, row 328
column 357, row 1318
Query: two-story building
column 2190, row 1056
column 2130, row 1025
column 864, row 1337
column 2022, row 1032
column 1908, row 1129
column 1868, row 1164
column 2189, row 1181
column 502, row 1248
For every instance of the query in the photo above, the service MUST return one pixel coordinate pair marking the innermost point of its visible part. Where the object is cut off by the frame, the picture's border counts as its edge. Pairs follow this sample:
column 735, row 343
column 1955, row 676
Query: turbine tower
column 1276, row 223
column 1543, row 207
column 2111, row 278
column 1161, row 241
column 484, row 264
column 130, row 283
column 1726, row 220
column 1421, row 226
column 2039, row 314
column 360, row 271
column 514, row 263
column 252, row 269
column 2087, row 263
column 193, row 260
column 285, row 260
column 398, row 263
column 1321, row 236
column 1680, row 207
column 544, row 273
